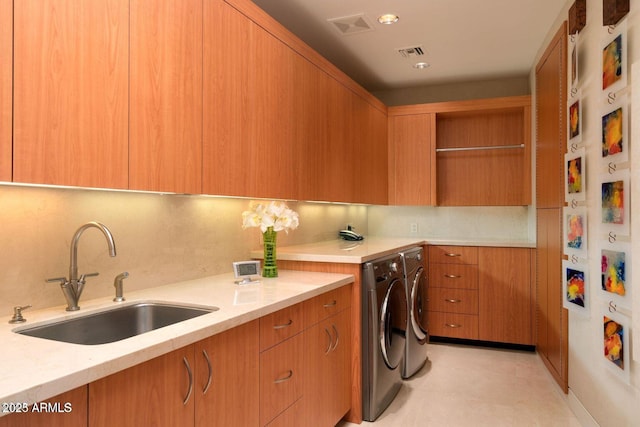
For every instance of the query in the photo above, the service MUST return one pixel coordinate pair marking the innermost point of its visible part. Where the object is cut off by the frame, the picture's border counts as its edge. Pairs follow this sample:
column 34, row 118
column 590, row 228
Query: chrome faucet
column 72, row 287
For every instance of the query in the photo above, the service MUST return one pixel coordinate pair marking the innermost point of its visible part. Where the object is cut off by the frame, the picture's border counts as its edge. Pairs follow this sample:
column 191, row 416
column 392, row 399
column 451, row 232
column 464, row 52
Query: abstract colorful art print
column 575, row 178
column 615, row 203
column 615, row 273
column 575, row 231
column 575, row 287
column 615, row 343
column 614, row 59
column 575, row 125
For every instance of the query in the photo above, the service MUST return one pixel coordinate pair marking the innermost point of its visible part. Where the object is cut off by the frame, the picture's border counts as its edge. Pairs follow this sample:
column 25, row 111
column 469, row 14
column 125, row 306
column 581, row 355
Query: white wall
column 160, row 239
column 607, row 399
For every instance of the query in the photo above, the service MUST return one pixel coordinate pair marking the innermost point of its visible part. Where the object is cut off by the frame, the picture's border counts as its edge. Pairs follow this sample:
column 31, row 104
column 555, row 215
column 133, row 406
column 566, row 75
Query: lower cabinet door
column 227, row 378
column 327, row 394
column 154, row 393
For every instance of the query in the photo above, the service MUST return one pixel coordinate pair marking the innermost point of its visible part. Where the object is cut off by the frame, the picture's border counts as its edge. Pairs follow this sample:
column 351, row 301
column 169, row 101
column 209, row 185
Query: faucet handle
column 84, row 276
column 17, row 314
column 61, row 280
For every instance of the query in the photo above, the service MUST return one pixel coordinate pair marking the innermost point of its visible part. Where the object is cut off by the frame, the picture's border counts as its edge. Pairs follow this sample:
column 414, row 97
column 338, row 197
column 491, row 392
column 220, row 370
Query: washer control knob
column 419, row 256
column 393, row 266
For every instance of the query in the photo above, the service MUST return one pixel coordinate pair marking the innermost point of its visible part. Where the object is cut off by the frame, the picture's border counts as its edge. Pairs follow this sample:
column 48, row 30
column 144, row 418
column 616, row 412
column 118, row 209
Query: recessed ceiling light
column 388, row 19
column 421, row 65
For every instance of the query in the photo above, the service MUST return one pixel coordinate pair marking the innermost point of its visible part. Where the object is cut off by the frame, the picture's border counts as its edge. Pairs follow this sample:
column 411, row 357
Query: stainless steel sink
column 116, row 324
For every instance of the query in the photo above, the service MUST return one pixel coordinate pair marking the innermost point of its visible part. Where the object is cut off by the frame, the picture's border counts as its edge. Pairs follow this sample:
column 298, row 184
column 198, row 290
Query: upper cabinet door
column 6, row 53
column 411, row 159
column 166, row 96
column 70, row 92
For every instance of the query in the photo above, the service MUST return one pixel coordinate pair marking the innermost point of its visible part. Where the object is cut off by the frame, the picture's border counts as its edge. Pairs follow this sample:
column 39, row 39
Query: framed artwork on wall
column 614, row 59
column 615, row 140
column 575, row 175
column 574, row 132
column 614, row 204
column 574, row 227
column 615, row 273
column 575, row 285
column 615, row 343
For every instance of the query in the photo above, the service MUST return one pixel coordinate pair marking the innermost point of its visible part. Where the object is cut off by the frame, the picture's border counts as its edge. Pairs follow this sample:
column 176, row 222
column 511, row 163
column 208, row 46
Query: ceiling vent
column 411, row 52
column 353, row 24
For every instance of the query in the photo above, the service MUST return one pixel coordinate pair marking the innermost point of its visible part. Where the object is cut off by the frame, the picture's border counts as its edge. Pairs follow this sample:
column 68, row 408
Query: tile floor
column 476, row 386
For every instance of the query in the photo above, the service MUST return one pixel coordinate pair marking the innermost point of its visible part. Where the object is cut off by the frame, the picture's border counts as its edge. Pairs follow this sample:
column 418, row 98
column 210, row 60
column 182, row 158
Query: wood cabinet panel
column 71, row 408
column 463, row 301
column 277, row 327
column 151, row 393
column 453, row 254
column 453, row 325
column 165, row 147
column 326, row 305
column 71, row 85
column 6, row 89
column 412, row 159
column 230, row 399
column 506, row 295
column 281, row 377
column 453, row 276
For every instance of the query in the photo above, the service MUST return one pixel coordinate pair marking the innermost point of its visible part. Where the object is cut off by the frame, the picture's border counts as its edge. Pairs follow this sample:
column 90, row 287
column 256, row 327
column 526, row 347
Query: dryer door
column 393, row 321
column 418, row 313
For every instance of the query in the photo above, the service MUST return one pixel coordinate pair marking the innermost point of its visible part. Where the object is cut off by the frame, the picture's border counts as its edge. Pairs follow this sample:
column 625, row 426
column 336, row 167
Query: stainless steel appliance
column 384, row 320
column 415, row 278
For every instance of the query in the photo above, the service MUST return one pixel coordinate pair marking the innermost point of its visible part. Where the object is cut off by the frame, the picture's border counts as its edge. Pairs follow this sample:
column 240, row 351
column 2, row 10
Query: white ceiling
column 463, row 40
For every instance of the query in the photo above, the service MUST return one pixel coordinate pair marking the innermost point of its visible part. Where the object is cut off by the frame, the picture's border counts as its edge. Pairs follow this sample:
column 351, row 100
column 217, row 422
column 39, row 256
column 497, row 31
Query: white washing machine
column 415, row 278
column 384, row 320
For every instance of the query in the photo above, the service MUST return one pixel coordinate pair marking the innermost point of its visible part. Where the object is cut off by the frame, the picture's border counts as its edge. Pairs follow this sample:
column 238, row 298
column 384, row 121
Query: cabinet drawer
column 453, row 254
column 463, row 301
column 280, row 377
column 291, row 417
column 453, row 276
column 453, row 325
column 277, row 327
column 326, row 305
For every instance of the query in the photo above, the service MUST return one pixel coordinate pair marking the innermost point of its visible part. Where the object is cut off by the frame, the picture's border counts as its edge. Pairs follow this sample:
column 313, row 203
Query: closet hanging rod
column 490, row 147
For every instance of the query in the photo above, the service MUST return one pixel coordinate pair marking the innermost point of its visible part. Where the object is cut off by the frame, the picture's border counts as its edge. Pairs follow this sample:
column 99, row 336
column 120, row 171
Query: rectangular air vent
column 353, row 24
column 410, row 52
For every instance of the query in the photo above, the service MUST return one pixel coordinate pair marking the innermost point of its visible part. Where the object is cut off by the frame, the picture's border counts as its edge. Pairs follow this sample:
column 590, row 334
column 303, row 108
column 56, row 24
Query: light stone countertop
column 35, row 369
column 358, row 252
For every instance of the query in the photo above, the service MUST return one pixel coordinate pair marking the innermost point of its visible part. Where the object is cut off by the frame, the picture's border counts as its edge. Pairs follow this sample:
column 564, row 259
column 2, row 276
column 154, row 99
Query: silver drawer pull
column 453, row 301
column 285, row 378
column 285, row 325
column 452, row 276
column 452, row 255
column 331, row 304
column 190, row 375
column 210, row 368
column 452, row 325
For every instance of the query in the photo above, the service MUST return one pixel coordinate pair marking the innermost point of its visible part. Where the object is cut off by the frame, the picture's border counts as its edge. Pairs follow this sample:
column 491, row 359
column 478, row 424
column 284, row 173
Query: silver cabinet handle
column 190, row 373
column 331, row 304
column 452, row 255
column 287, row 377
column 337, row 337
column 452, row 325
column 330, row 341
column 452, row 276
column 285, row 325
column 453, row 301
column 209, row 379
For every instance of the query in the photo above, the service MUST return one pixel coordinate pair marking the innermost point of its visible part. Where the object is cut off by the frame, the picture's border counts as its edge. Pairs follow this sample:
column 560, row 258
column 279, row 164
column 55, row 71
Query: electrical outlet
column 413, row 228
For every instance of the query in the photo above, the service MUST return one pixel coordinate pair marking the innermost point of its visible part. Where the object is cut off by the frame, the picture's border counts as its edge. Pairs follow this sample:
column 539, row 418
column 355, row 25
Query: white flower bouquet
column 270, row 214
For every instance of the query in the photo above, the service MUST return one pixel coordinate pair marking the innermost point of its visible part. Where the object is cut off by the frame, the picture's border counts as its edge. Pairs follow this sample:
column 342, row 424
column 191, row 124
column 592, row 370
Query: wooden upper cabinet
column 6, row 109
column 70, row 92
column 249, row 114
column 370, row 154
column 165, row 146
column 411, row 159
